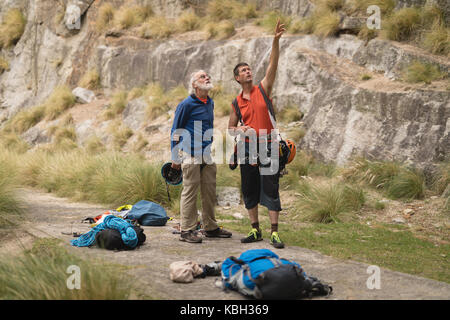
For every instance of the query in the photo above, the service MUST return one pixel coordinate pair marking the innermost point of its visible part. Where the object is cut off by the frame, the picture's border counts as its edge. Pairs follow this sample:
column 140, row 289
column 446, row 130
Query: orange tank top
column 254, row 111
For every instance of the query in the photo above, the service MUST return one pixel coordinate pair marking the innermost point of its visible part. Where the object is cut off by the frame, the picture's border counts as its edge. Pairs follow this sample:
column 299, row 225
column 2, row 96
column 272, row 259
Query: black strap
column 268, row 102
column 238, row 111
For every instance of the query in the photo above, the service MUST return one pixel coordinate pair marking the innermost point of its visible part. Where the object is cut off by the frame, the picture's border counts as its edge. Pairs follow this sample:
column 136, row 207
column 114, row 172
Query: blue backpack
column 148, row 213
column 261, row 274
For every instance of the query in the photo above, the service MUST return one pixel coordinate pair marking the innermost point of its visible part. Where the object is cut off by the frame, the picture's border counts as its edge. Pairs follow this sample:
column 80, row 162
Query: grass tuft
column 422, row 72
column 4, row 65
column 91, row 80
column 59, row 101
column 12, row 28
column 326, row 203
column 41, row 274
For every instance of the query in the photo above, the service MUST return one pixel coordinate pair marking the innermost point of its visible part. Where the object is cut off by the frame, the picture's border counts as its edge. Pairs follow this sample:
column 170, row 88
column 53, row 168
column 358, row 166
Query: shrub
column 325, row 203
column 105, row 16
column 160, row 101
column 11, row 141
column 41, row 273
column 367, row 34
column 59, row 101
column 327, row 23
column 4, row 65
column 375, row 173
column 222, row 30
column 333, row 5
column 188, row 21
column 422, row 72
column 437, row 40
column 91, row 80
column 221, row 10
column 402, row 24
column 442, row 179
column 10, row 204
column 26, row 119
column 360, row 6
column 127, row 17
column 408, row 184
column 94, row 145
column 12, row 28
column 290, row 113
column 156, row 28
column 269, row 21
column 119, row 102
column 323, row 22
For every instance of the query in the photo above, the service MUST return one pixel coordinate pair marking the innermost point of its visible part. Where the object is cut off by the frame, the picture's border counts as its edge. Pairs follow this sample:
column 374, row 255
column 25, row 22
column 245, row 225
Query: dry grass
column 269, row 20
column 323, row 22
column 422, row 72
column 105, row 16
column 12, row 28
column 289, row 113
column 222, row 30
column 94, row 145
column 156, row 28
column 360, row 6
column 91, row 80
column 160, row 101
column 4, row 65
column 437, row 40
column 25, row 119
column 129, row 16
column 402, row 25
column 188, row 21
column 59, row 101
column 41, row 274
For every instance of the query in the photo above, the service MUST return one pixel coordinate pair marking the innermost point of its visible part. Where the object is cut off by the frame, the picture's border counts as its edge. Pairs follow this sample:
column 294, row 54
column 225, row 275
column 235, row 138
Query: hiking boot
column 253, row 236
column 218, row 233
column 276, row 241
column 190, row 236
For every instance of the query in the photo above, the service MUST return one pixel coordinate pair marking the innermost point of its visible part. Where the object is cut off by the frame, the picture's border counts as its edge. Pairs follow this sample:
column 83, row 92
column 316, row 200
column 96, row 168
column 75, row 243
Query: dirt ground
column 49, row 216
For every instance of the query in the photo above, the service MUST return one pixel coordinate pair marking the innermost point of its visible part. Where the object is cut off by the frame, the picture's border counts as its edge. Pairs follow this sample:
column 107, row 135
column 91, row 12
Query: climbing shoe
column 218, row 233
column 253, row 236
column 276, row 241
column 190, row 236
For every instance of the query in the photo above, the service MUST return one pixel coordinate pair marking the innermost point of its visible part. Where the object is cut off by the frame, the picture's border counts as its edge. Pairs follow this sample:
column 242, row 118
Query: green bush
column 408, row 184
column 326, row 203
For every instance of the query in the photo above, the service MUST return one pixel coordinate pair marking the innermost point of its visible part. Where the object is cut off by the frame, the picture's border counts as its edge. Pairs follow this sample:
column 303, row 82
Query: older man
column 194, row 117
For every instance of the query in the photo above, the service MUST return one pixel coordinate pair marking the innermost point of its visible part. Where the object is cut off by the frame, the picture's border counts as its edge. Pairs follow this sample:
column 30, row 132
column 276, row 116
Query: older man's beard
column 205, row 87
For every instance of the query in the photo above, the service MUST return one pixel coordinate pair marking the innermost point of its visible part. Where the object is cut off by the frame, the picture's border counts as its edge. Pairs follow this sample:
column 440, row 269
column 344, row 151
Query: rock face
column 344, row 116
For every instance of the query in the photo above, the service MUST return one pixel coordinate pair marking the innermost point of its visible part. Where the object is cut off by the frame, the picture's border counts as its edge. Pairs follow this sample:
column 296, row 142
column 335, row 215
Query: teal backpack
column 261, row 274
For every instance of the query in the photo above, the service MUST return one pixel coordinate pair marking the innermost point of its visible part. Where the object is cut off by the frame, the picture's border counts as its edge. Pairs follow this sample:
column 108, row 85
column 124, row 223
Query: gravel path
column 49, row 216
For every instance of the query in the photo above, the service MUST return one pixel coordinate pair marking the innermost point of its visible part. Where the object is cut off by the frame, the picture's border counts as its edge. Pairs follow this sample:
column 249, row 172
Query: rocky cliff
column 344, row 115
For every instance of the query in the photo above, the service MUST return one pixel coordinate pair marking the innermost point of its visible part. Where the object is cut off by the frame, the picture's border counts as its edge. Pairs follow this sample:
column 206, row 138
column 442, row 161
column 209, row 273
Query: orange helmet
column 287, row 150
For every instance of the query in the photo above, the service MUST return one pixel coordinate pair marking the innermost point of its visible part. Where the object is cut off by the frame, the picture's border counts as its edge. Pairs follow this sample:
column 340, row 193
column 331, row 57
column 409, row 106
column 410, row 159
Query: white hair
column 194, row 80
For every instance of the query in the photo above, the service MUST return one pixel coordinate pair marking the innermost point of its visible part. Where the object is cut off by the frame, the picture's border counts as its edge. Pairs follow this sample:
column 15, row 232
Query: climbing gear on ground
column 261, row 274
